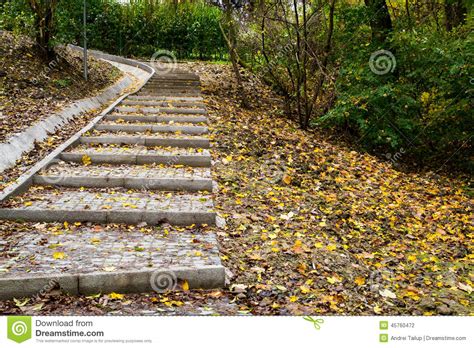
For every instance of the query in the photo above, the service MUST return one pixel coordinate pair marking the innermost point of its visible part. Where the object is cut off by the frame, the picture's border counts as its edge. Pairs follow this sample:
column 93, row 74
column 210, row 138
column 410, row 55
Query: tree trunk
column 231, row 40
column 44, row 23
column 455, row 13
column 380, row 20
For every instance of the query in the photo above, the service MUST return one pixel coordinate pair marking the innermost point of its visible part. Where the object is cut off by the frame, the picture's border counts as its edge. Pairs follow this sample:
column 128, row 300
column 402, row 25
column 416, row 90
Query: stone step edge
column 161, row 98
column 137, row 281
column 130, row 128
column 104, row 181
column 158, row 118
column 162, row 110
column 198, row 142
column 163, row 93
column 25, row 180
column 130, row 217
column 190, row 160
column 164, row 104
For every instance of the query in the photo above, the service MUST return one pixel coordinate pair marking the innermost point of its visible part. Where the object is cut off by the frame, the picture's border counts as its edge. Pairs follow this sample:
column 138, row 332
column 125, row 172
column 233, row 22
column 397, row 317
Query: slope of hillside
column 31, row 89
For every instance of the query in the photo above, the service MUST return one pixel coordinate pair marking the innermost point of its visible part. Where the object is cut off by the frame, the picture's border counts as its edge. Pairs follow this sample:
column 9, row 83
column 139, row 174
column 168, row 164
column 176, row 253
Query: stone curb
column 20, row 143
column 25, row 180
column 204, row 277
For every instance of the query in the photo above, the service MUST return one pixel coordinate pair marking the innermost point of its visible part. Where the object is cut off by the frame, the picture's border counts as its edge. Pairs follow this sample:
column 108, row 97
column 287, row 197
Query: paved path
column 145, row 163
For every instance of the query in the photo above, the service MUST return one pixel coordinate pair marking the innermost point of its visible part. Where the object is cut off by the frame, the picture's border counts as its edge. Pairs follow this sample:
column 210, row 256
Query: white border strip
column 25, row 180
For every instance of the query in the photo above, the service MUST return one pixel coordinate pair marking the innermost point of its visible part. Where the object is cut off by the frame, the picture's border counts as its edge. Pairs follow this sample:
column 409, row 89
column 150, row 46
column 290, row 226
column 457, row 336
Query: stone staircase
column 147, row 161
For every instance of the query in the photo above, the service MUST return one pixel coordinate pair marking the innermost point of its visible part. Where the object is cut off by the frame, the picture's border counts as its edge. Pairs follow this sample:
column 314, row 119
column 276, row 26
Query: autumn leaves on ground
column 313, row 227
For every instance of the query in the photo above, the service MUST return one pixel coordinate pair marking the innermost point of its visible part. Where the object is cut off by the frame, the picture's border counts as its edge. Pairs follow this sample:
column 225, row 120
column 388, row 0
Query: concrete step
column 175, row 77
column 138, row 154
column 173, row 88
column 105, row 259
column 72, row 205
column 152, row 110
column 164, row 92
column 144, row 177
column 186, row 142
column 163, row 98
column 175, row 104
column 156, row 118
column 193, row 83
column 129, row 128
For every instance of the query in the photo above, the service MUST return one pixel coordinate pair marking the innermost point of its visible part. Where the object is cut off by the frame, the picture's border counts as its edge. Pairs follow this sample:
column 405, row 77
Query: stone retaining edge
column 204, row 277
column 25, row 180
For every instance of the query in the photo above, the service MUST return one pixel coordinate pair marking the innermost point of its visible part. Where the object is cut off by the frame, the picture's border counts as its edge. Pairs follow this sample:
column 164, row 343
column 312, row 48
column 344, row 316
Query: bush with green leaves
column 421, row 104
column 15, row 16
column 138, row 28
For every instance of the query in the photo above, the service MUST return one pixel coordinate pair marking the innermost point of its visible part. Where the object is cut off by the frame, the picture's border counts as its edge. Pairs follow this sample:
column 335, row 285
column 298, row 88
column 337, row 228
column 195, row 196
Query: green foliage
column 189, row 30
column 16, row 16
column 422, row 108
column 62, row 83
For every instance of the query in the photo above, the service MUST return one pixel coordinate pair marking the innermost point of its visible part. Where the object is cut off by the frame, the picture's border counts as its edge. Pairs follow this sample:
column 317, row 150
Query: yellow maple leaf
column 377, row 309
column 360, row 281
column 86, row 160
column 185, row 285
column 286, row 179
column 304, row 289
column 115, row 296
column 95, row 240
column 333, row 280
column 59, row 255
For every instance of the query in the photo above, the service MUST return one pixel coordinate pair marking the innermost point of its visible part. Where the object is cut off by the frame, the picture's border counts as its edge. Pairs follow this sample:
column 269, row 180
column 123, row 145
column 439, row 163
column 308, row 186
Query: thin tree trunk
column 455, row 13
column 231, row 40
column 380, row 20
column 44, row 23
column 327, row 51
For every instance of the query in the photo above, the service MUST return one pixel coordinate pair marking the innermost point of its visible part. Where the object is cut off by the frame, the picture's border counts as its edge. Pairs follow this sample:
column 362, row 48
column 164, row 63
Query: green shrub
column 422, row 107
column 189, row 30
column 16, row 16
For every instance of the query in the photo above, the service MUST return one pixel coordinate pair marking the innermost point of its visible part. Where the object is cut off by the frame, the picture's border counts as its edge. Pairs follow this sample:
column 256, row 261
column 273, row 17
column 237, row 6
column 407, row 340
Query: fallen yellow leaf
column 59, row 255
column 115, row 296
